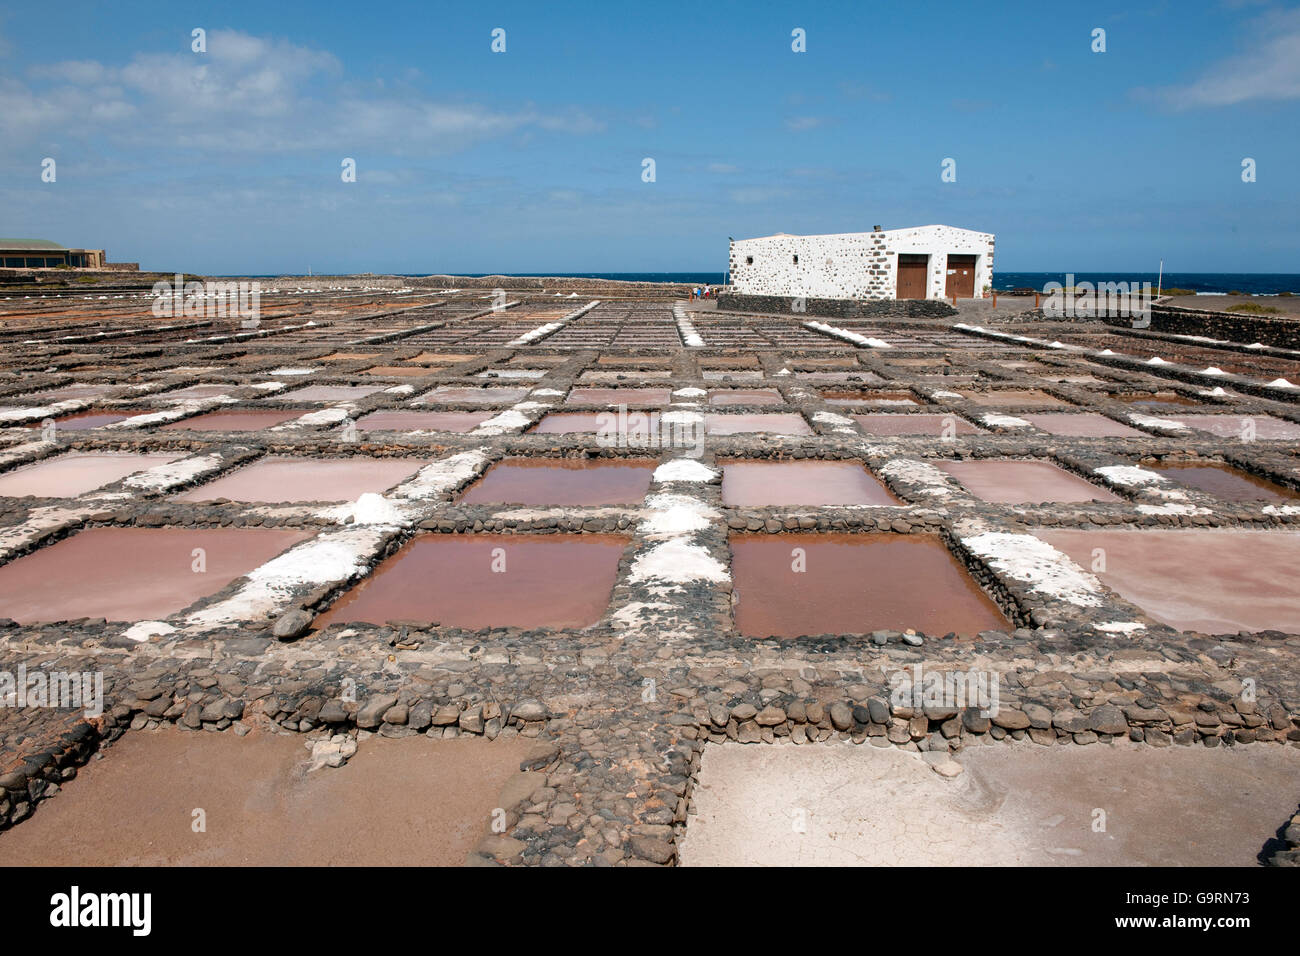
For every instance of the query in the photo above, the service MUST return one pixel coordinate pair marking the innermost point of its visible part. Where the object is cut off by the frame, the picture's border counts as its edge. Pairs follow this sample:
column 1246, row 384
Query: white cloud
column 799, row 123
column 252, row 94
column 1267, row 69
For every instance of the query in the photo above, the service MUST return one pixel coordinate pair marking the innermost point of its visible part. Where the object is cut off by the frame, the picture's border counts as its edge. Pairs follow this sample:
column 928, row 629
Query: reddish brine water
column 854, row 584
column 132, row 574
column 274, row 480
column 936, row 426
column 247, row 420
column 556, row 481
column 489, row 580
column 1023, row 482
column 745, row 396
column 1081, row 425
column 776, row 423
column 1226, row 482
column 400, row 420
column 777, row 483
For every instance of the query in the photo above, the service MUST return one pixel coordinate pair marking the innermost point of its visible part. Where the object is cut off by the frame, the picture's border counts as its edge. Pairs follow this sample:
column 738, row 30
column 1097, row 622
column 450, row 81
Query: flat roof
column 9, row 245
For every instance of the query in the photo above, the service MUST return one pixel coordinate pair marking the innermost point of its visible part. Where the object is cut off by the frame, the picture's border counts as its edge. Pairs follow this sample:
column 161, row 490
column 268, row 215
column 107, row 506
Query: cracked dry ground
column 342, row 527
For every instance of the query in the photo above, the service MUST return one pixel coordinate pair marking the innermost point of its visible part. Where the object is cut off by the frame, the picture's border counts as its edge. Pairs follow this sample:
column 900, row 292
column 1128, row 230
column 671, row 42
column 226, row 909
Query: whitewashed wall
column 854, row 265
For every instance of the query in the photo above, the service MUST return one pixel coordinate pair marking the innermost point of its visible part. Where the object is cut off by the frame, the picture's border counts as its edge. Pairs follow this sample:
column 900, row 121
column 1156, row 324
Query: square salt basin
column 439, row 358
column 631, row 423
column 1016, row 482
column 247, row 420
column 618, row 396
column 815, row 483
column 1071, row 379
column 561, row 481
column 460, row 395
column 953, row 378
column 278, row 480
column 1014, row 396
column 804, row 361
column 64, row 393
column 1234, row 426
column 777, row 423
column 1212, row 581
column 870, row 398
column 1157, row 400
column 1226, row 482
column 746, row 396
column 854, row 584
column 328, row 393
column 863, row 377
column 631, row 378
column 132, row 574
column 1081, row 425
column 400, row 420
column 84, row 421
column 349, row 356
column 730, row 375
column 553, row 580
column 934, row 426
column 735, row 361
column 423, row 803
column 198, row 391
column 513, row 373
column 400, row 370
column 75, row 474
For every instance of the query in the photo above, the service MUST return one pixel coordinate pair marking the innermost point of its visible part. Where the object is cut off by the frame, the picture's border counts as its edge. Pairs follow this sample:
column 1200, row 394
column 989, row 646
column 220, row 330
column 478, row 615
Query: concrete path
column 1015, row 804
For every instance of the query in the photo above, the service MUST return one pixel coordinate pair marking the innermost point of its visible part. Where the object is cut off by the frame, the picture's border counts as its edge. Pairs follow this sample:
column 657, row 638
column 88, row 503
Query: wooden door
column 961, row 277
column 911, row 276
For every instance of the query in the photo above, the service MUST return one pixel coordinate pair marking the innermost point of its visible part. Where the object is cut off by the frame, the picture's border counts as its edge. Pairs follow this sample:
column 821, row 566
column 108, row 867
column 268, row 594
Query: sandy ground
column 1015, row 804
column 395, row 803
column 1285, row 304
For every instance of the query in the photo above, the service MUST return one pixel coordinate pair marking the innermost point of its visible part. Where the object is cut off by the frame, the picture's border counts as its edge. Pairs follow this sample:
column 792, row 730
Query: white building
column 925, row 262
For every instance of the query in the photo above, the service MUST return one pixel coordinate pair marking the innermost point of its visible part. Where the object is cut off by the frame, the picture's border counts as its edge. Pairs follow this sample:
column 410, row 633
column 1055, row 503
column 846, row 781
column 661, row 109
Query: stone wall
column 836, row 308
column 1279, row 331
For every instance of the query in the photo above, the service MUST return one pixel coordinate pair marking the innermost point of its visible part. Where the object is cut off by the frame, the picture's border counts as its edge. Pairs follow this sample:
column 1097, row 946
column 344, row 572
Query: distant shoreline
column 1198, row 283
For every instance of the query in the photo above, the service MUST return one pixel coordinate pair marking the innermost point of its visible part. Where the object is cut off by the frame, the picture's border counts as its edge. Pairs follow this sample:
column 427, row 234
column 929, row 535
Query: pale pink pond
column 132, row 574
column 76, row 473
column 1022, row 482
column 244, row 420
column 634, row 423
column 562, row 481
column 1014, row 397
column 777, row 423
column 328, row 393
column 885, row 425
column 745, row 396
column 814, row 483
column 456, row 395
column 400, row 420
column 1214, row 581
column 618, row 396
column 1239, row 426
column 1081, row 425
column 84, row 421
column 272, row 480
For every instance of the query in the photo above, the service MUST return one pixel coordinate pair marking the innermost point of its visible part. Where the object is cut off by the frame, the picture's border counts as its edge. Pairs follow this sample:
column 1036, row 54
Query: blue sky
column 531, row 160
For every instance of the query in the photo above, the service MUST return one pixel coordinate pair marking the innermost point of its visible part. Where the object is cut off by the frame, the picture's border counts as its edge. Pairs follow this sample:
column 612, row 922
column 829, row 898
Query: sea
column 1207, row 283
